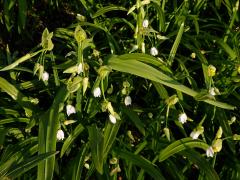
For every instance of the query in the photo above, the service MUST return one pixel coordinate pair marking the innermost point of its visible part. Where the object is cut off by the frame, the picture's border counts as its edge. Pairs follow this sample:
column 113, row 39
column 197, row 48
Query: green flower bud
column 79, row 34
column 172, row 100
column 217, row 145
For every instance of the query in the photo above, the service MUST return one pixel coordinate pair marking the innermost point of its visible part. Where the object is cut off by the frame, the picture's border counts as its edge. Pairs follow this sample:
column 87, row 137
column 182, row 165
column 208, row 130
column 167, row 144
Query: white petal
column 154, row 51
column 128, row 100
column 45, row 76
column 112, row 119
column 80, row 68
column 70, row 110
column 182, row 118
column 145, row 23
column 60, row 135
column 209, row 152
column 194, row 134
column 97, row 92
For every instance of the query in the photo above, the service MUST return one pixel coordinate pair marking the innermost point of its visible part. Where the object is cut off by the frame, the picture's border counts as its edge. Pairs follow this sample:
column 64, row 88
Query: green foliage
column 123, row 90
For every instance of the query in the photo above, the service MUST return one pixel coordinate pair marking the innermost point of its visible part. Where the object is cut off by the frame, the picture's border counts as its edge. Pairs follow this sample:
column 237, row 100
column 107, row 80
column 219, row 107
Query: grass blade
column 140, row 162
column 181, row 145
column 71, row 138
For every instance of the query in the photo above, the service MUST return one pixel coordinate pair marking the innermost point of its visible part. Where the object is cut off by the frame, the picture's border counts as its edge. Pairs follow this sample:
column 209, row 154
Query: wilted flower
column 128, row 100
column 145, row 23
column 70, row 109
column 112, row 119
column 154, row 51
column 209, row 152
column 97, row 92
column 182, row 118
column 45, row 76
column 211, row 70
column 60, row 135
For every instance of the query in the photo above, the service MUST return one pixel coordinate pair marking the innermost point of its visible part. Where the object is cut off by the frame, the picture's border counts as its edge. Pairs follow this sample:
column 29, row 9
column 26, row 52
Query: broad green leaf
column 135, row 119
column 28, row 164
column 107, row 9
column 133, row 65
column 48, row 126
column 181, row 145
column 96, row 141
column 70, row 139
column 140, row 162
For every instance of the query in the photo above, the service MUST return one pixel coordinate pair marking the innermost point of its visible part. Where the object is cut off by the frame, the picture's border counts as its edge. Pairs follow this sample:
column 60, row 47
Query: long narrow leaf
column 181, row 145
column 141, row 162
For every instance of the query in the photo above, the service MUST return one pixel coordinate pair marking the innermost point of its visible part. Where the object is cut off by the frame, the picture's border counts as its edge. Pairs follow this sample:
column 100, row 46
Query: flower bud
column 211, row 70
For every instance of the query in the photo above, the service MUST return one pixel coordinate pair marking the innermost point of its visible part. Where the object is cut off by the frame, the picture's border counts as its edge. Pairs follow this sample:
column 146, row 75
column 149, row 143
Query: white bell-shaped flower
column 182, row 118
column 128, row 100
column 45, row 76
column 70, row 109
column 145, row 23
column 209, row 152
column 97, row 92
column 112, row 119
column 60, row 135
column 154, row 51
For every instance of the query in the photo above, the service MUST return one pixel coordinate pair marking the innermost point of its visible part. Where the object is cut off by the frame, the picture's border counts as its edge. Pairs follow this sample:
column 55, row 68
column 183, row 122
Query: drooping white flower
column 209, row 152
column 60, row 135
column 80, row 68
column 112, row 119
column 182, row 118
column 154, row 51
column 145, row 23
column 195, row 134
column 70, row 109
column 97, row 92
column 45, row 76
column 128, row 100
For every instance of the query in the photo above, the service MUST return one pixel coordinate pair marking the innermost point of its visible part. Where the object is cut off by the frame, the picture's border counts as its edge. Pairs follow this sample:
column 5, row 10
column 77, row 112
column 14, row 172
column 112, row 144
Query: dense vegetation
column 119, row 90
